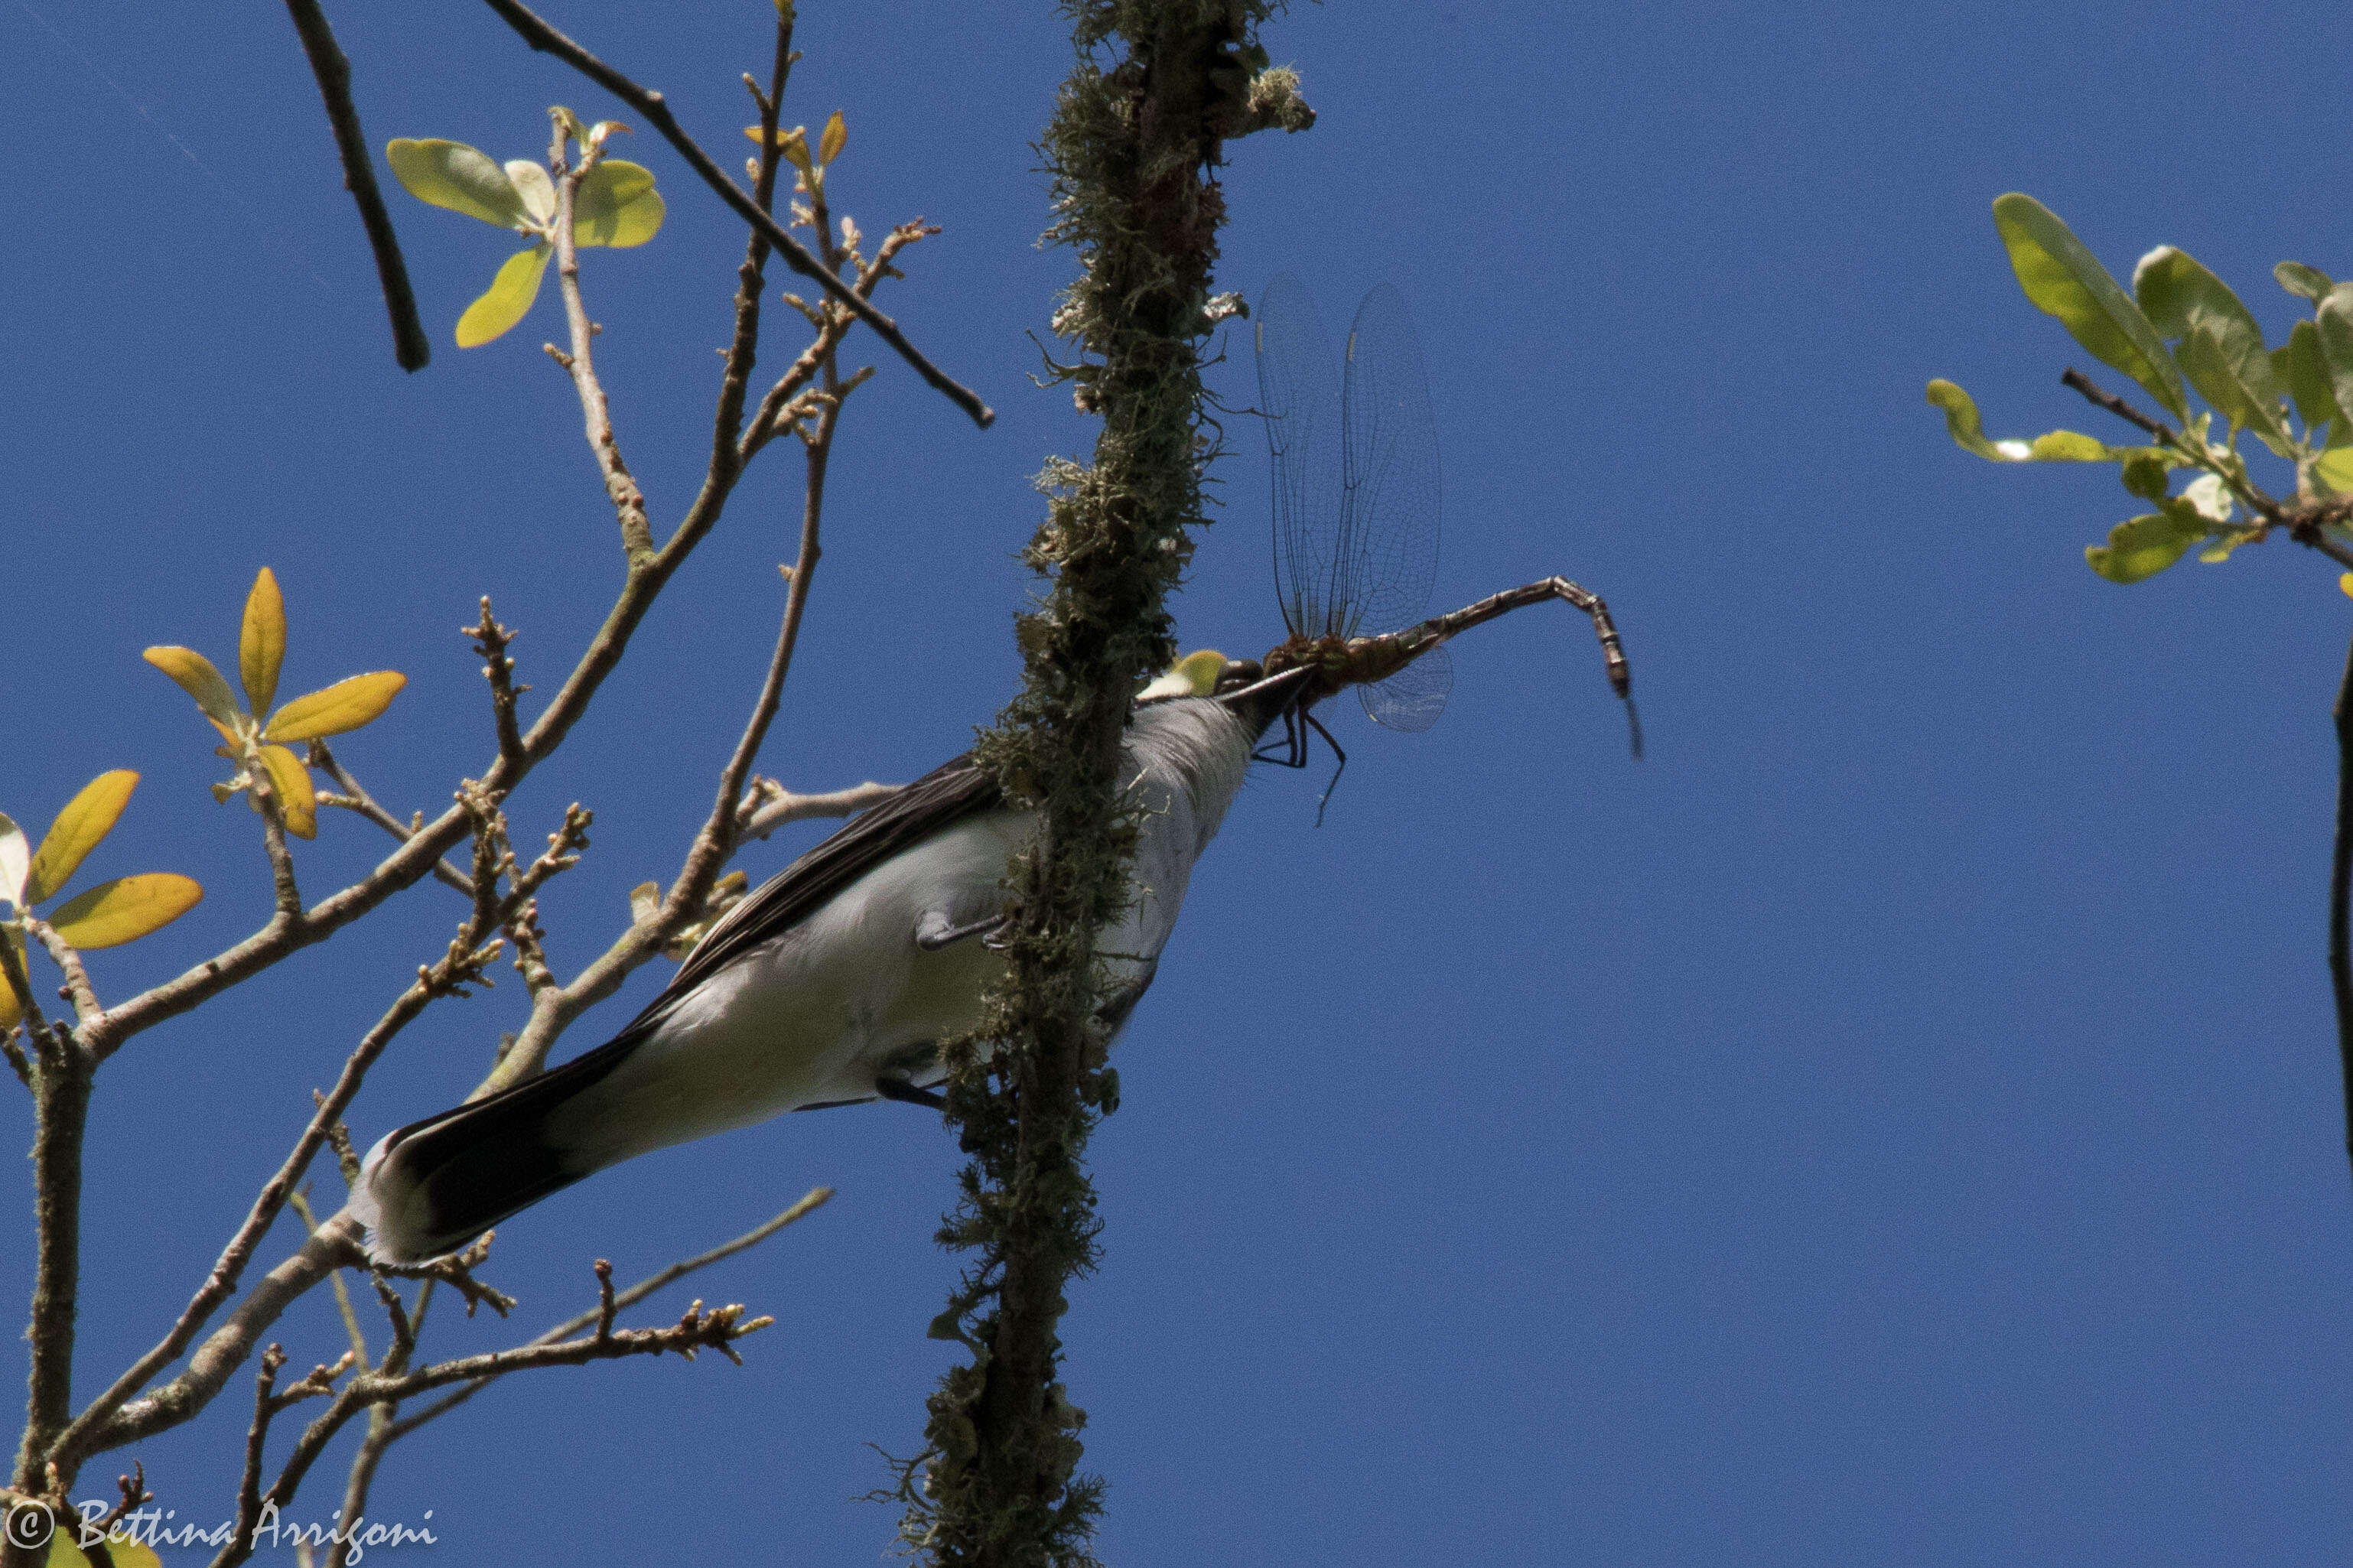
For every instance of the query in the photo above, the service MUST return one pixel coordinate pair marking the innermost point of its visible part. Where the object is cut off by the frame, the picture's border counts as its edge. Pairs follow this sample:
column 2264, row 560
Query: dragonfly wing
column 1411, row 700
column 1299, row 394
column 1388, row 552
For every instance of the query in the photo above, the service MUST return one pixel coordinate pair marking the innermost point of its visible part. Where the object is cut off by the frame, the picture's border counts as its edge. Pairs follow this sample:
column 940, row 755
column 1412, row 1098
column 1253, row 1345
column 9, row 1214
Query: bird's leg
column 907, row 1093
column 934, row 931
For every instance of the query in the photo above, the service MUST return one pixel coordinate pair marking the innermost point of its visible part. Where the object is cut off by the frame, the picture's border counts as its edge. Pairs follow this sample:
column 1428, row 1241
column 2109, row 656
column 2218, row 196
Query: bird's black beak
column 1259, row 700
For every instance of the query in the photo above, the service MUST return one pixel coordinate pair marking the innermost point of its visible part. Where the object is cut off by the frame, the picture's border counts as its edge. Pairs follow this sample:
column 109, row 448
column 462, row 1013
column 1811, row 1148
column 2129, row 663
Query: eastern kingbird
column 836, row 981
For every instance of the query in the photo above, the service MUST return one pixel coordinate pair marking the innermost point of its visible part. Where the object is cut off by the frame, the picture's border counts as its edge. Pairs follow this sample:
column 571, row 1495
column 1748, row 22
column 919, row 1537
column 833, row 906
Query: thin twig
column 492, row 640
column 620, row 488
column 768, row 805
column 355, row 798
column 69, row 959
column 816, row 1199
column 2305, row 521
column 90, row 1431
column 696, row 1330
column 333, row 72
column 656, row 110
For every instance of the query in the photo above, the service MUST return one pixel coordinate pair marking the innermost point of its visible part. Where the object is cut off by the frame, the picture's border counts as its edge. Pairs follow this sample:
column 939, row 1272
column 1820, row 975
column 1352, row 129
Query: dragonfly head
column 1260, row 699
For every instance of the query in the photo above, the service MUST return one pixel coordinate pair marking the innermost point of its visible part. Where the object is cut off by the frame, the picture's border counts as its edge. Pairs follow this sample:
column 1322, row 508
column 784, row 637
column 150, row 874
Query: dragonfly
column 1356, row 514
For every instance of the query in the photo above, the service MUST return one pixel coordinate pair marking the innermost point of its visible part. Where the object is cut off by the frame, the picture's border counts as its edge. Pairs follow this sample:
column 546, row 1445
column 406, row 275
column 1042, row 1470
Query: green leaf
column 2335, row 469
column 88, row 817
column 298, row 803
column 2302, row 370
column 1961, row 420
column 16, row 862
column 2304, row 282
column 345, row 705
column 199, row 679
column 125, row 908
column 616, row 206
column 454, row 175
column 2333, row 326
column 261, row 642
column 538, row 191
column 2064, row 279
column 835, row 137
column 508, row 299
column 2141, row 547
column 2067, row 446
column 1962, row 424
column 2223, row 347
column 2144, row 474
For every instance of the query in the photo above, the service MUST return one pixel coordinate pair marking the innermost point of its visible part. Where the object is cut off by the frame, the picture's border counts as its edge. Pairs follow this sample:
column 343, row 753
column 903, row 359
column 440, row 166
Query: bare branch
column 651, row 104
column 457, row 1272
column 768, row 805
column 61, row 1115
column 696, row 1330
column 355, row 798
column 409, row 345
column 492, row 640
column 69, row 959
column 816, row 1199
column 92, row 1429
column 628, row 500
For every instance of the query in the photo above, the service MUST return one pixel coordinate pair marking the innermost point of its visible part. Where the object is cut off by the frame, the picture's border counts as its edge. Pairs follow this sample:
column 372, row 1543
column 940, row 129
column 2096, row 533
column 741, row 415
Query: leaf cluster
column 614, row 205
column 2179, row 330
column 107, row 915
column 255, row 738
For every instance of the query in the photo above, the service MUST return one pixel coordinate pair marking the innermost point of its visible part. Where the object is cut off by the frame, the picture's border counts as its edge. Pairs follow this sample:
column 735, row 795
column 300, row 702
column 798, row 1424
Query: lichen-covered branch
column 1130, row 149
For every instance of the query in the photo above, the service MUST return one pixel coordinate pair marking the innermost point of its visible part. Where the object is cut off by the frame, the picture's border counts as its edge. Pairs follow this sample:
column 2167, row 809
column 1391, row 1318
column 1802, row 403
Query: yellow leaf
column 125, row 908
column 261, row 643
column 87, row 818
column 2346, row 584
column 828, row 146
column 507, row 299
column 10, row 1008
column 200, row 680
column 297, row 800
column 125, row 1552
column 345, row 705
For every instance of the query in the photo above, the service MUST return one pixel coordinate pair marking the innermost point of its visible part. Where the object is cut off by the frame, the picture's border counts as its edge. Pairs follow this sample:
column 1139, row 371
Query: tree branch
column 620, row 488
column 409, row 345
column 651, row 104
column 815, row 1200
column 61, row 1115
column 355, row 798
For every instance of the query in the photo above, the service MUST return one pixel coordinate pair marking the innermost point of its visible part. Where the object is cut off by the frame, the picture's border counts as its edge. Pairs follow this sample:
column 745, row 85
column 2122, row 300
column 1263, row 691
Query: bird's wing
column 940, row 798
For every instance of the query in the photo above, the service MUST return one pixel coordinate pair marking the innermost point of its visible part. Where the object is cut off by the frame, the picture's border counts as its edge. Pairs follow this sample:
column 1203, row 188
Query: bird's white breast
column 846, row 995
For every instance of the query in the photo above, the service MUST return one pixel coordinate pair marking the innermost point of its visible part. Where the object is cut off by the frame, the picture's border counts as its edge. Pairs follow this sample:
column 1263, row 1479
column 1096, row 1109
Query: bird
column 836, row 981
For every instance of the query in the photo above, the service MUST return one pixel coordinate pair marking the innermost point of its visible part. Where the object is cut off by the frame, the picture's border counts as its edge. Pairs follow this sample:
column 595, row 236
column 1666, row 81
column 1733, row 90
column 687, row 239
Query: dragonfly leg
column 1318, row 726
column 1293, row 754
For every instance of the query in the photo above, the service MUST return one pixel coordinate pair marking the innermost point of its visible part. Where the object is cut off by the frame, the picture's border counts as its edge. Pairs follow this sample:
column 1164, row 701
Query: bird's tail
column 433, row 1185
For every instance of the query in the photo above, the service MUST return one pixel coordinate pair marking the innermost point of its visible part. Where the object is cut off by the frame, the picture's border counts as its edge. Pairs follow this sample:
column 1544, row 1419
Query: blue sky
column 1898, row 1121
